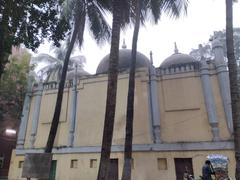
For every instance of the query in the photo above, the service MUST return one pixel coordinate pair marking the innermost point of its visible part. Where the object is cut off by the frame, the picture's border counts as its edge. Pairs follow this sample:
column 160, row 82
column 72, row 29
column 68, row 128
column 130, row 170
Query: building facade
column 7, row 144
column 182, row 113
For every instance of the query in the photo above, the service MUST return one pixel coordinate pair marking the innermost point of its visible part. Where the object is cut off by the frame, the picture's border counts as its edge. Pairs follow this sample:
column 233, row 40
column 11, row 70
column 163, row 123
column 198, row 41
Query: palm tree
column 78, row 12
column 172, row 8
column 120, row 12
column 52, row 69
column 51, row 66
column 235, row 94
column 126, row 174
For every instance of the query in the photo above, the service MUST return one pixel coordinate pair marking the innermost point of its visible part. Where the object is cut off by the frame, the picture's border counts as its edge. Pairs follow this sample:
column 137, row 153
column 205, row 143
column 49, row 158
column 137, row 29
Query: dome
column 124, row 61
column 80, row 73
column 176, row 59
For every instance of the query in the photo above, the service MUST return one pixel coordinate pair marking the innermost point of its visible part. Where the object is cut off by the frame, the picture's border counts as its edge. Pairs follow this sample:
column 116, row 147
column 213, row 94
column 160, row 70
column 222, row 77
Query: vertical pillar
column 209, row 99
column 154, row 104
column 36, row 112
column 25, row 115
column 73, row 110
column 223, row 79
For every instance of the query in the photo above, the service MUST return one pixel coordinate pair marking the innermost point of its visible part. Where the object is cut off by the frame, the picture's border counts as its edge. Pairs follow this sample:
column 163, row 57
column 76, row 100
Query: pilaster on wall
column 25, row 115
column 154, row 105
column 73, row 111
column 223, row 79
column 209, row 99
column 35, row 116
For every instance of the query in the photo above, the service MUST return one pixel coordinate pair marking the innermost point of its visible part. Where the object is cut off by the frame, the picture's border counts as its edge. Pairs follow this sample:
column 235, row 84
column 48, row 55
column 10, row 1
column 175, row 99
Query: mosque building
column 182, row 113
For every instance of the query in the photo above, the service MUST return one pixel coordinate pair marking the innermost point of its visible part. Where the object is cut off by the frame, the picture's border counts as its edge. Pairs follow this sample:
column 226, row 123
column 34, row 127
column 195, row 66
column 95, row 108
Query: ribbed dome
column 124, row 61
column 177, row 58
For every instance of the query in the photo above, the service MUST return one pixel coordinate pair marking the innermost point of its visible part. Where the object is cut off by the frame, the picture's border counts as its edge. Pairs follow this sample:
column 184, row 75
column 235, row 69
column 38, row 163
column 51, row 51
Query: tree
column 141, row 8
column 203, row 49
column 235, row 93
column 220, row 35
column 126, row 174
column 13, row 88
column 78, row 12
column 28, row 22
column 120, row 11
column 52, row 69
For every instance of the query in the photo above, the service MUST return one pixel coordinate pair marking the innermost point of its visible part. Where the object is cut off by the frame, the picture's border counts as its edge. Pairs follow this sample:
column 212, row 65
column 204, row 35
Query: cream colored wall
column 141, row 125
column 15, row 173
column 145, row 165
column 198, row 159
column 181, row 93
column 90, row 113
column 183, row 109
column 90, row 102
column 183, row 113
column 46, row 115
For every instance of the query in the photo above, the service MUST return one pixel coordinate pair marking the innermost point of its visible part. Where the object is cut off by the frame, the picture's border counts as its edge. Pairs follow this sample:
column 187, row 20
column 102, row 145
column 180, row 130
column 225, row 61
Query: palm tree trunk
column 126, row 175
column 1, row 53
column 111, row 93
column 1, row 58
column 235, row 94
column 55, row 121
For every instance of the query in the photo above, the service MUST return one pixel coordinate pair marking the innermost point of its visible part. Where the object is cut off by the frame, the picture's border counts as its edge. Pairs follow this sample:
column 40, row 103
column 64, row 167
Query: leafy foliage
column 13, row 88
column 221, row 35
column 53, row 69
column 92, row 12
column 29, row 22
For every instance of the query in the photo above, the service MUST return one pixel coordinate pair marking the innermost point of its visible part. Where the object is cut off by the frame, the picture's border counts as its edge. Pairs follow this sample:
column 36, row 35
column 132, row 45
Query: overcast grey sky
column 204, row 17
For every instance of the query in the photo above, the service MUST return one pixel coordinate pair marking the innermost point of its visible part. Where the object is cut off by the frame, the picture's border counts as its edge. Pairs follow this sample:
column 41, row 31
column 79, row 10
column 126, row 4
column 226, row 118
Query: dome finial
column 151, row 57
column 175, row 48
column 124, row 46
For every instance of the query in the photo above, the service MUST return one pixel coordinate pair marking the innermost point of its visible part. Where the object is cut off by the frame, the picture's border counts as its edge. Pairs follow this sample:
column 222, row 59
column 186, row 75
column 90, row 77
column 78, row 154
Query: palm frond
column 76, row 11
column 80, row 18
column 49, row 68
column 104, row 5
column 174, row 8
column 97, row 23
column 125, row 7
column 43, row 58
column 155, row 9
column 81, row 28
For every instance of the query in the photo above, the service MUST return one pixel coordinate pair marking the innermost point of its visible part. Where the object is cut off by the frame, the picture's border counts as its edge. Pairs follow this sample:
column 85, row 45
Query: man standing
column 207, row 171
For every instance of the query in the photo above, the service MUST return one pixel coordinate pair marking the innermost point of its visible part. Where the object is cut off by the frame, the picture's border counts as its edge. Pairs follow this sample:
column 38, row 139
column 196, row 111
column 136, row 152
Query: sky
column 203, row 18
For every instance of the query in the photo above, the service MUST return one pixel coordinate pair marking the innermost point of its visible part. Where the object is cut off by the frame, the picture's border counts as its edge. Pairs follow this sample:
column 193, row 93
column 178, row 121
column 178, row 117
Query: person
column 207, row 171
column 187, row 175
